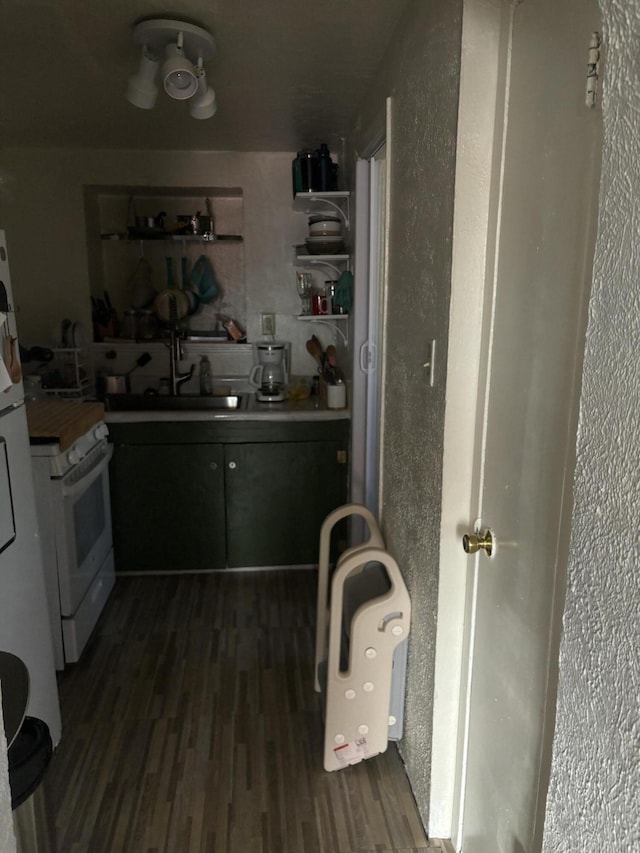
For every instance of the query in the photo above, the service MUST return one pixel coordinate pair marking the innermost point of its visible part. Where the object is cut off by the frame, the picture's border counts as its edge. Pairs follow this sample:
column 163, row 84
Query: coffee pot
column 269, row 374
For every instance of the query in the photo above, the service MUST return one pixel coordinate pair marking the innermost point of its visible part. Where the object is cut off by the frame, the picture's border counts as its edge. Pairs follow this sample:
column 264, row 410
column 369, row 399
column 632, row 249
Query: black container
column 305, row 172
column 327, row 170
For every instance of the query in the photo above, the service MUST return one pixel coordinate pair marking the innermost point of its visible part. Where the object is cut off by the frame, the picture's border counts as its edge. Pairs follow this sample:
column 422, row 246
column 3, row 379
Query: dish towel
column 203, row 280
column 344, row 291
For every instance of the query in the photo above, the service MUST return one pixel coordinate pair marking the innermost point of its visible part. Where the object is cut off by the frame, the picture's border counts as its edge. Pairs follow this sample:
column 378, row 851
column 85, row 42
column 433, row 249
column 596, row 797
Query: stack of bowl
column 325, row 235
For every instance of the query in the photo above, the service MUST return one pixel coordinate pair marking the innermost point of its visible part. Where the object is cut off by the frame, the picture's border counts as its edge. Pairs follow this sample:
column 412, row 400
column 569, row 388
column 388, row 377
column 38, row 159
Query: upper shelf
column 336, row 201
column 184, row 238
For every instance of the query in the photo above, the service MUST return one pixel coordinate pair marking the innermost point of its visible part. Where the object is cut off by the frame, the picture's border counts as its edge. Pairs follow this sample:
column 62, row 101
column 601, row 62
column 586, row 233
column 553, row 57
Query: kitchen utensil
column 331, row 355
column 114, row 384
column 314, row 348
column 121, row 384
column 148, row 226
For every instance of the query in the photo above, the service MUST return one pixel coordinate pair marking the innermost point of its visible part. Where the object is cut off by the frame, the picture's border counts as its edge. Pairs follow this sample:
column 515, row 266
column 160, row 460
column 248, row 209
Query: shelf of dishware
column 184, row 238
column 312, row 202
column 332, row 320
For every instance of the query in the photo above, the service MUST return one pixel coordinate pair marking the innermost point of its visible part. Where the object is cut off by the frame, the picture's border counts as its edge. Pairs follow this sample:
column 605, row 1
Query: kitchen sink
column 168, row 403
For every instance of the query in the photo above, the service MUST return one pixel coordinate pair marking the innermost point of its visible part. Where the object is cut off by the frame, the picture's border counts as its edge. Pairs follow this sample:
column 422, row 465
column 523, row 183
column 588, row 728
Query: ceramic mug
column 319, row 304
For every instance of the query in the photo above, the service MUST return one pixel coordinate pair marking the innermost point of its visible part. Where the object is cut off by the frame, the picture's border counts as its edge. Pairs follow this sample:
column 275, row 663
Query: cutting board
column 61, row 421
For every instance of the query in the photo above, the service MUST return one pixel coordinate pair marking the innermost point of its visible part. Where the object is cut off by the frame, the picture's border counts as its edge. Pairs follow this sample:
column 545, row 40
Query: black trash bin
column 28, row 758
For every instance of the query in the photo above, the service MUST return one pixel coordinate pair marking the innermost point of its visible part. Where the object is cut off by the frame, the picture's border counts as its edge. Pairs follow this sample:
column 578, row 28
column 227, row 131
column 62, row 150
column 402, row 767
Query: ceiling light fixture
column 203, row 104
column 185, row 47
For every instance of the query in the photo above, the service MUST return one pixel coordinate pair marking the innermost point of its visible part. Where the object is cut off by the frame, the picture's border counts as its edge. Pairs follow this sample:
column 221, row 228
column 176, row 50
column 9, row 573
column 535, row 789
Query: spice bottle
column 206, row 379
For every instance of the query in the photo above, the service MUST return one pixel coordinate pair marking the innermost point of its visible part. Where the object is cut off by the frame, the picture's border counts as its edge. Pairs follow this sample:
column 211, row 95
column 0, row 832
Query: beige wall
column 420, row 73
column 42, row 211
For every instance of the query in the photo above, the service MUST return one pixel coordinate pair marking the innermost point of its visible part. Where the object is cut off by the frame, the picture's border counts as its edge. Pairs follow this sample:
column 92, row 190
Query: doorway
column 523, row 243
column 372, row 182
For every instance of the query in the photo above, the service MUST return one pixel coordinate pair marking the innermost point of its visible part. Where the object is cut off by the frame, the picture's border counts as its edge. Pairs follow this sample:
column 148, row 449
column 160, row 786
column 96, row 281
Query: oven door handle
column 90, row 476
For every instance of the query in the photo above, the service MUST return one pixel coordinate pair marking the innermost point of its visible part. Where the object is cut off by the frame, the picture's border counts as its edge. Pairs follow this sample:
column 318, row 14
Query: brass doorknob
column 483, row 540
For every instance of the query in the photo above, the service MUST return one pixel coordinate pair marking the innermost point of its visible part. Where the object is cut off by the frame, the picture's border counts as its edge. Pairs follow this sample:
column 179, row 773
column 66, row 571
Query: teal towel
column 344, row 291
column 203, row 280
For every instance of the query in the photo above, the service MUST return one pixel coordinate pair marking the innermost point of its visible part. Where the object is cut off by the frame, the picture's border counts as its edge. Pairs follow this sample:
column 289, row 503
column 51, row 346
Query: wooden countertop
column 61, row 421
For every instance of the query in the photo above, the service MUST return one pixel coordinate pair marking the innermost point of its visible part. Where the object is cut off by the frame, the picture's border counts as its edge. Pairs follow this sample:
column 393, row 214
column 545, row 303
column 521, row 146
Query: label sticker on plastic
column 356, row 750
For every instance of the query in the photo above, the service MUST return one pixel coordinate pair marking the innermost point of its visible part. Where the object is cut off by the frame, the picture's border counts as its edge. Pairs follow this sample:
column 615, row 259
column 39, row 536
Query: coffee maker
column 269, row 374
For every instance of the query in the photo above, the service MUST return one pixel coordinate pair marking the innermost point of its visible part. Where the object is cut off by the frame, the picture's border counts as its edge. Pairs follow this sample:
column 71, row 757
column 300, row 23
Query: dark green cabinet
column 168, row 507
column 277, row 496
column 196, row 496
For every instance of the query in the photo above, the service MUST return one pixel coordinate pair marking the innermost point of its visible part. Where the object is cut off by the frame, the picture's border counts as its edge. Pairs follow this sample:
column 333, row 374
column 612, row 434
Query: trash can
column 28, row 759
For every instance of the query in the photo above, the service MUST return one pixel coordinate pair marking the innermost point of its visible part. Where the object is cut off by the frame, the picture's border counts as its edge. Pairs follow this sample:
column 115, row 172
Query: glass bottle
column 206, row 379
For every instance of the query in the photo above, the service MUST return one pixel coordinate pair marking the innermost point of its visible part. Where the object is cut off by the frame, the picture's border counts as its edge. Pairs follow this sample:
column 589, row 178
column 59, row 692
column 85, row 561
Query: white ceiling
column 287, row 73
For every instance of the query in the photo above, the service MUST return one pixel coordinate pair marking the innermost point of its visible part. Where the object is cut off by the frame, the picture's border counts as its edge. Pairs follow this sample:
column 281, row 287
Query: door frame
column 371, row 281
column 479, row 124
column 483, row 111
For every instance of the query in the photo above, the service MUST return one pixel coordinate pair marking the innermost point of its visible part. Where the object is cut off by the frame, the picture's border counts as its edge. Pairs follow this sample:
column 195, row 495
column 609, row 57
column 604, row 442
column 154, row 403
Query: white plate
column 80, row 335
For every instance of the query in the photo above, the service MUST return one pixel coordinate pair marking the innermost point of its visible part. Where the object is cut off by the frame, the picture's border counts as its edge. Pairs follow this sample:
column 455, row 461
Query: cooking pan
column 120, row 384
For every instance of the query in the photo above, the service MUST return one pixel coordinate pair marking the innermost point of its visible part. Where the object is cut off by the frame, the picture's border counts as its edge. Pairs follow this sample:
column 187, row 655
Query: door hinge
column 342, row 457
column 593, row 69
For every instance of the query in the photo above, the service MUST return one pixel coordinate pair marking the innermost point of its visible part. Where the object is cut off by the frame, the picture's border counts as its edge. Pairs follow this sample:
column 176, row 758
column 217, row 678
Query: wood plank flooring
column 191, row 726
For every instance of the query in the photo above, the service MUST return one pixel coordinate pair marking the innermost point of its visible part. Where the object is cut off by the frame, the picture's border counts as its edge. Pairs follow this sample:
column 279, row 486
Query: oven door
column 82, row 525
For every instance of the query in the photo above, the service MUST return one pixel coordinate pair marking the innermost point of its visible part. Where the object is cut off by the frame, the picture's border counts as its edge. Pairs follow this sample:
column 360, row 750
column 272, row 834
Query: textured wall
column 593, row 796
column 420, row 72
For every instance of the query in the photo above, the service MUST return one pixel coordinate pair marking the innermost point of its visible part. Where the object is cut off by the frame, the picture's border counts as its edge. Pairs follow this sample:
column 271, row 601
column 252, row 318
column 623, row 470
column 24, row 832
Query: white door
column 370, row 287
column 544, row 196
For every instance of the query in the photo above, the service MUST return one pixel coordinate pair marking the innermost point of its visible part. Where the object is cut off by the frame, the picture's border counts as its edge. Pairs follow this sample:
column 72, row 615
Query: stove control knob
column 100, row 432
column 73, row 457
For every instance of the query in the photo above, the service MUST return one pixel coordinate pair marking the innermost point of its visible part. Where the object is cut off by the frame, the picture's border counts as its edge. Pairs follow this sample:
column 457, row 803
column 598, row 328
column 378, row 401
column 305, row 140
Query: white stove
column 72, row 493
column 62, row 461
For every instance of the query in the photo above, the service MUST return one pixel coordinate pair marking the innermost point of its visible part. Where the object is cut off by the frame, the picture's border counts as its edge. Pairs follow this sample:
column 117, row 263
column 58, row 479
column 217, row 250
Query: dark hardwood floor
column 191, row 724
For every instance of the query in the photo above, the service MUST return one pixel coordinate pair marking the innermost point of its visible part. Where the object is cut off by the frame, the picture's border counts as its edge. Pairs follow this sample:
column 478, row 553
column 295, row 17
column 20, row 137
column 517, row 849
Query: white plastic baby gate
column 361, row 634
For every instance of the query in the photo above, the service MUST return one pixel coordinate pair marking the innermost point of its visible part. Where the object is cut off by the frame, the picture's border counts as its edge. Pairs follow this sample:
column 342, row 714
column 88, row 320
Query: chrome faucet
column 175, row 354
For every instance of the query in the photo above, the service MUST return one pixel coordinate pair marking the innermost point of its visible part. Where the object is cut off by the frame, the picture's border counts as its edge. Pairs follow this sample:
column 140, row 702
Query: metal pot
column 149, row 225
column 116, row 384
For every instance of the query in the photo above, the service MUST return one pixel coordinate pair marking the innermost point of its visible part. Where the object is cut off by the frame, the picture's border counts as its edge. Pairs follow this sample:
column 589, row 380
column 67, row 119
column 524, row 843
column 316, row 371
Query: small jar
column 337, row 396
column 129, row 325
column 147, row 325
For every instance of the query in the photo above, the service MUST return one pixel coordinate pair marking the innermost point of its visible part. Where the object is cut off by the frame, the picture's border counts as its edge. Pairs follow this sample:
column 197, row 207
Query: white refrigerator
column 25, row 628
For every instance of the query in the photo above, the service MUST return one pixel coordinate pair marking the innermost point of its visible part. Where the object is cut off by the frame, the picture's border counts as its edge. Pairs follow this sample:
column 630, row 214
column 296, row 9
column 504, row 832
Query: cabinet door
column 168, row 508
column 278, row 495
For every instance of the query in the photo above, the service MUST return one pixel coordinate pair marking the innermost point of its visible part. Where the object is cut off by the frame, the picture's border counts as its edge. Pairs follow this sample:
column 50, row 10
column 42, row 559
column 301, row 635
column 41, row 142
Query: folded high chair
column 361, row 645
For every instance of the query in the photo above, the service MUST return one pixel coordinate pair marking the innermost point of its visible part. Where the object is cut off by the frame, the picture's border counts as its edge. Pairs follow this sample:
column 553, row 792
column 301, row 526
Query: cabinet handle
column 232, row 465
column 213, row 466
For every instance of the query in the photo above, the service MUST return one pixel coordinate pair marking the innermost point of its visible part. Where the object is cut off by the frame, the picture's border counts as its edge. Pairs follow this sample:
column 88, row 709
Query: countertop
column 289, row 410
column 61, row 421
